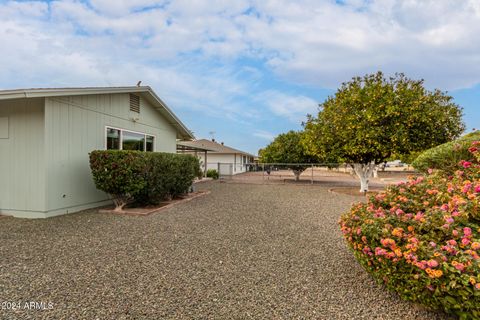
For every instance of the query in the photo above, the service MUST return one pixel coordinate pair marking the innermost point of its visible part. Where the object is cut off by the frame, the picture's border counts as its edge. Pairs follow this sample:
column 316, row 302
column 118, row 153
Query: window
column 118, row 139
column 113, row 139
column 149, row 143
column 133, row 141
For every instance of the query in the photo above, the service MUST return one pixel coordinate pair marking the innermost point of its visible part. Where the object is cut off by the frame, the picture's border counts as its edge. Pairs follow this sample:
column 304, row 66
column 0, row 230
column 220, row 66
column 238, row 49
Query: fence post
column 263, row 171
column 218, row 168
column 312, row 173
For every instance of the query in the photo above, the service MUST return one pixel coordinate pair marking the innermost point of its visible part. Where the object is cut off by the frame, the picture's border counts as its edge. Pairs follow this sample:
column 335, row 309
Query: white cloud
column 324, row 44
column 262, row 134
column 293, row 107
column 180, row 46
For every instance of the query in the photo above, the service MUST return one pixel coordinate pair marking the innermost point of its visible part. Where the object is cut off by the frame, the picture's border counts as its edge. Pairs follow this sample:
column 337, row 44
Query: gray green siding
column 44, row 163
column 22, row 165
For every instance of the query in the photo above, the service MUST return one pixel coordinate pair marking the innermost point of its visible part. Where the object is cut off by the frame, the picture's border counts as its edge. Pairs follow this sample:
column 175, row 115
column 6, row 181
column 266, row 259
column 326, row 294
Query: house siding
column 22, row 161
column 237, row 166
column 75, row 126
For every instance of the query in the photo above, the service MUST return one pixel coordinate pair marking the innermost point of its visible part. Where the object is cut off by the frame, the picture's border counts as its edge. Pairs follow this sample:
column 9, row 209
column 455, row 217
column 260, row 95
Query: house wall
column 22, row 162
column 75, row 126
column 236, row 161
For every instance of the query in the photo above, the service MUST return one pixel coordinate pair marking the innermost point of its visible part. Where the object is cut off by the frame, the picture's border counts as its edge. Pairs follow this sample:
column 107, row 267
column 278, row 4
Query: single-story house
column 227, row 160
column 47, row 134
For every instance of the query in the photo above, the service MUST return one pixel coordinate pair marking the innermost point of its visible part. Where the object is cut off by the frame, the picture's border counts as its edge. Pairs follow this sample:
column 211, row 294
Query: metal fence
column 290, row 172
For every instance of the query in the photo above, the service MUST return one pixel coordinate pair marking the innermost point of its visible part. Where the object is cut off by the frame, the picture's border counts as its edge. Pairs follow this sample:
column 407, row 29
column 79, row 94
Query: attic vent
column 134, row 103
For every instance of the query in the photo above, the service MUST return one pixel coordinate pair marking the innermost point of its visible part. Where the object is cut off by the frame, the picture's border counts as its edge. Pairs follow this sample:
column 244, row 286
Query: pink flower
column 455, row 233
column 430, row 171
column 477, row 286
column 475, row 245
column 465, row 164
column 449, row 219
column 460, row 266
column 432, row 263
column 419, row 216
column 467, row 231
column 465, row 241
column 433, row 244
column 452, row 242
column 466, row 187
column 477, row 188
column 421, row 264
column 366, row 250
column 380, row 251
column 399, row 212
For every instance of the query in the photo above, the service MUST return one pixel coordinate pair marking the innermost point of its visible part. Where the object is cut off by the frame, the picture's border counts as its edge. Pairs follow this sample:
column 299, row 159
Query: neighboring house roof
column 215, row 146
column 144, row 91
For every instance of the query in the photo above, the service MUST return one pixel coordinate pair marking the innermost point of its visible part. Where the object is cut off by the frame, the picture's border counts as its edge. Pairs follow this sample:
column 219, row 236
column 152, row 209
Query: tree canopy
column 287, row 148
column 371, row 119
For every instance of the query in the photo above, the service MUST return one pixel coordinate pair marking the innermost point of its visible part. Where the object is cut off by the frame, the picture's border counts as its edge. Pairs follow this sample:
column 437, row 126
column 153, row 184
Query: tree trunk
column 375, row 172
column 364, row 172
column 297, row 174
column 119, row 202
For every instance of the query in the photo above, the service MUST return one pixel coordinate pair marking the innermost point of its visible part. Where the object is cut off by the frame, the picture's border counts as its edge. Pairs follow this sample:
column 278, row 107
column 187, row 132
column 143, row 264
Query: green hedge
column 446, row 156
column 212, row 173
column 422, row 238
column 142, row 177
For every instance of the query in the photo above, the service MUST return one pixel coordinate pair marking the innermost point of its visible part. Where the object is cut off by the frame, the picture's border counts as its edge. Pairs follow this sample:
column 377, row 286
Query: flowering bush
column 422, row 238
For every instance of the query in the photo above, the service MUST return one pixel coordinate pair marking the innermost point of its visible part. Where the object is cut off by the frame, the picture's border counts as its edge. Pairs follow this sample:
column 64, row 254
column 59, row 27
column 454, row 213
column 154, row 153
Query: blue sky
column 246, row 69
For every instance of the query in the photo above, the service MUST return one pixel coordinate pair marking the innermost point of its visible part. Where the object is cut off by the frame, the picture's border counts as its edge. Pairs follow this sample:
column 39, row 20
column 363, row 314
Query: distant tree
column 287, row 148
column 372, row 119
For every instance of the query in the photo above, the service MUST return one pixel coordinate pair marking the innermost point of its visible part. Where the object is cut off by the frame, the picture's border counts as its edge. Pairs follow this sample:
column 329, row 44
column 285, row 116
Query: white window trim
column 131, row 131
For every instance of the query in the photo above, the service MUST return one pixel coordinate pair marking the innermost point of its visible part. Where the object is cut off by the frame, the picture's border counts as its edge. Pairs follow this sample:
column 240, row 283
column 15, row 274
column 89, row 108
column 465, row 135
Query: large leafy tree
column 371, row 119
column 287, row 148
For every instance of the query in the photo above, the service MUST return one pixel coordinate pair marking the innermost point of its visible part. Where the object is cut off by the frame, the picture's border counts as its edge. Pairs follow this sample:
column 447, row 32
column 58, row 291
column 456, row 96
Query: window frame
column 131, row 131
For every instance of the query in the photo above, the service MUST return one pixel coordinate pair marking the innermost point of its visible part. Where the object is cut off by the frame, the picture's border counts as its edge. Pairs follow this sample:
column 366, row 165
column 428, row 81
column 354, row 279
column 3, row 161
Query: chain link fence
column 302, row 173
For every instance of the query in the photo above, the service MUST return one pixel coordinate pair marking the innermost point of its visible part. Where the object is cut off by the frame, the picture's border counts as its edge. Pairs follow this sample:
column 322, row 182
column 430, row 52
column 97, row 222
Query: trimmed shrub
column 446, row 156
column 142, row 177
column 422, row 238
column 212, row 173
column 119, row 173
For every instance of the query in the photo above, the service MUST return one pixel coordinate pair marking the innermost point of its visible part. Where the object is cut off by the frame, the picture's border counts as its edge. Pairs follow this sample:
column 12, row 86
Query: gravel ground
column 243, row 251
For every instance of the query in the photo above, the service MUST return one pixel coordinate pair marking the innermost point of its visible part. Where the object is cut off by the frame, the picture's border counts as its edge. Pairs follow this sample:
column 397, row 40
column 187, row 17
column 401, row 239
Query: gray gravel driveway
column 241, row 252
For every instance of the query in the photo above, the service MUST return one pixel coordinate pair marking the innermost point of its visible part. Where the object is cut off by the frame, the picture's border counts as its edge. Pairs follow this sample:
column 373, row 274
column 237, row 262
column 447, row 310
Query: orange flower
column 397, row 232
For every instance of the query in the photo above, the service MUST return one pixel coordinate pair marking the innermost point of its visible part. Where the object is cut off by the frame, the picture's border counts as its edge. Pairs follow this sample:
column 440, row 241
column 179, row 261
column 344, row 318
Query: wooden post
column 312, row 173
column 206, row 162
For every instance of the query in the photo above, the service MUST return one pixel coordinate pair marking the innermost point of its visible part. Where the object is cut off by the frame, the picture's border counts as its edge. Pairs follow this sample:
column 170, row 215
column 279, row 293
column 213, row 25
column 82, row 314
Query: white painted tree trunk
column 375, row 172
column 364, row 172
column 297, row 174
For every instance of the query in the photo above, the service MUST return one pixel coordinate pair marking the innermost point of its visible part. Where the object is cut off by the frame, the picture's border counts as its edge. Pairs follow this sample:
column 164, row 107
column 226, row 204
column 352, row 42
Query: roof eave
column 182, row 131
